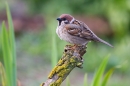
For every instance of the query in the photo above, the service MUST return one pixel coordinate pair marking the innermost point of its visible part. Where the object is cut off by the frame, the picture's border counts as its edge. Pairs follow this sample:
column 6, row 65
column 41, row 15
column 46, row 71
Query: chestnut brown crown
column 65, row 17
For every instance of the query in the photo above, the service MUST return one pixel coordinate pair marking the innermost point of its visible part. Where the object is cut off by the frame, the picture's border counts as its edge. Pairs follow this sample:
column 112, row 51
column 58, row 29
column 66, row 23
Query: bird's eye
column 66, row 21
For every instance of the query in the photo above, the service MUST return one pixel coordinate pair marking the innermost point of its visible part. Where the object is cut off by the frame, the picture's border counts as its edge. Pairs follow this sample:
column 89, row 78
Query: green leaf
column 107, row 76
column 8, row 49
column 12, row 44
column 85, row 79
column 2, row 74
column 11, row 30
column 6, row 53
column 99, row 72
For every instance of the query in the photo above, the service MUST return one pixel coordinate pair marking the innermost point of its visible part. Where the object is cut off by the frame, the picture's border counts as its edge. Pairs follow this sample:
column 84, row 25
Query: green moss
column 65, row 65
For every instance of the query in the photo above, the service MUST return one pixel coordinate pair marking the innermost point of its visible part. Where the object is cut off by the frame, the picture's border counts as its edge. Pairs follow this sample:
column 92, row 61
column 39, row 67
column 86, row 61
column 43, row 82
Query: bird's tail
column 102, row 41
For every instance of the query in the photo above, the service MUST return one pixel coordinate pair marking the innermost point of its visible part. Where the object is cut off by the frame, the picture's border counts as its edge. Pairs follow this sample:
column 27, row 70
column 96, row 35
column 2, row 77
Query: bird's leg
column 74, row 46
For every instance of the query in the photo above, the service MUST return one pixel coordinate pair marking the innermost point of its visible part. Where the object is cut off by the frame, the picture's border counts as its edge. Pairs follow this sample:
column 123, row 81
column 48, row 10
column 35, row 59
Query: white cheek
column 62, row 23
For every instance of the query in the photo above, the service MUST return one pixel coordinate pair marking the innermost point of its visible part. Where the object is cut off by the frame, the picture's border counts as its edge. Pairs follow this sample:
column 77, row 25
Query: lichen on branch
column 71, row 58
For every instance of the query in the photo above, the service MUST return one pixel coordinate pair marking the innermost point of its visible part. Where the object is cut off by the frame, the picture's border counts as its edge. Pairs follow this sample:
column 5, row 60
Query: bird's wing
column 79, row 30
column 73, row 29
column 88, row 34
column 93, row 36
column 83, row 31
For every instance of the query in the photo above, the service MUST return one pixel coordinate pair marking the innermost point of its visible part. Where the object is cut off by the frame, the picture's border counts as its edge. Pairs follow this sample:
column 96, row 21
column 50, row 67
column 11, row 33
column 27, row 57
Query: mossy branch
column 71, row 58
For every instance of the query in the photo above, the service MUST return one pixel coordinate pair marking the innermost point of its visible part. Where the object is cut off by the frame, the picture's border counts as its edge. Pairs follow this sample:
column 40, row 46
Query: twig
column 71, row 58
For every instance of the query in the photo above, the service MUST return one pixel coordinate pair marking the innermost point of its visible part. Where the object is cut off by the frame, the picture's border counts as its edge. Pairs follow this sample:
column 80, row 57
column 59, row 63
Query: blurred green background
column 38, row 46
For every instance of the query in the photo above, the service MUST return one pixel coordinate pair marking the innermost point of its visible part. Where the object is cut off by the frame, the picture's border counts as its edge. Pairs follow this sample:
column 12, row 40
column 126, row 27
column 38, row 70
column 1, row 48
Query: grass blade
column 12, row 44
column 85, row 79
column 54, row 57
column 2, row 74
column 107, row 76
column 11, row 30
column 8, row 48
column 110, row 72
column 99, row 73
column 6, row 53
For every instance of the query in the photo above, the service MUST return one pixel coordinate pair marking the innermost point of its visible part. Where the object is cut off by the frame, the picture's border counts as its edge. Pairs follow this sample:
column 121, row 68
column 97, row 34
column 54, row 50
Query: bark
column 71, row 58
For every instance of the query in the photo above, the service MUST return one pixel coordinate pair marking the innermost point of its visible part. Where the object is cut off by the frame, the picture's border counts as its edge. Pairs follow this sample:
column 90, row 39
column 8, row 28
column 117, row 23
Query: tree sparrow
column 75, row 32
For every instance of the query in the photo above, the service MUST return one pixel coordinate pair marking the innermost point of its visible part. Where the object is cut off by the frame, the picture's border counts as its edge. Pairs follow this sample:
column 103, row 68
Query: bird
column 76, row 32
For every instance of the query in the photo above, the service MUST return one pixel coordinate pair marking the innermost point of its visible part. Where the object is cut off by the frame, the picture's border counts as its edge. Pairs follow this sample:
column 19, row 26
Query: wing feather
column 79, row 31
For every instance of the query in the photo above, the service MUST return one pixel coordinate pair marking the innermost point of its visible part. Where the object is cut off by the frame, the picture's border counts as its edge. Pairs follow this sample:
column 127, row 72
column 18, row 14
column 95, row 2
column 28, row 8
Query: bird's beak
column 59, row 19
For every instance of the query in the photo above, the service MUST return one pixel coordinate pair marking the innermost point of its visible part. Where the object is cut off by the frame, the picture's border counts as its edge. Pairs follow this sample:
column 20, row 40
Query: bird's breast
column 61, row 32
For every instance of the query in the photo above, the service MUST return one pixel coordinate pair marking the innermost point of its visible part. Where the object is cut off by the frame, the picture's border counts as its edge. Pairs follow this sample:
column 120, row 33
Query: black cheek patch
column 59, row 23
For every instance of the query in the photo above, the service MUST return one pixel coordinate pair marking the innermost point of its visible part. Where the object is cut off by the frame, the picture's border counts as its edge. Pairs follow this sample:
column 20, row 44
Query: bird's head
column 65, row 18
